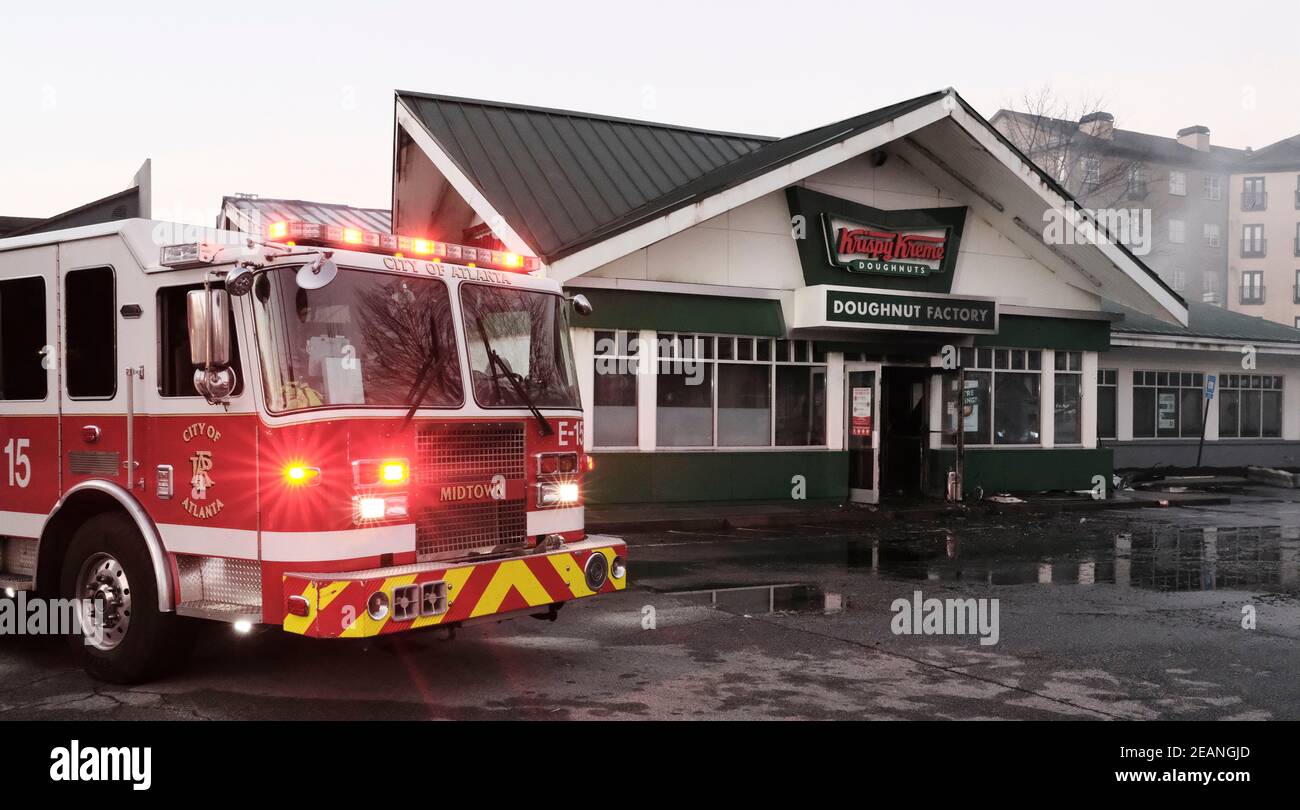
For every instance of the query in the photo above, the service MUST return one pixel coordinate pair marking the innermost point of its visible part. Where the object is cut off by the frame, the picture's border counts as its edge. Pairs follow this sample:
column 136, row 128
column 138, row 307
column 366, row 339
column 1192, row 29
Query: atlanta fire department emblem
column 199, row 504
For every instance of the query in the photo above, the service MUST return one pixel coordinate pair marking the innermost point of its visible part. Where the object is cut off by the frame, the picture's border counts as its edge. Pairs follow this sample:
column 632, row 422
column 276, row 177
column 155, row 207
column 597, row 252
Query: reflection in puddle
column 1161, row 558
column 760, row 599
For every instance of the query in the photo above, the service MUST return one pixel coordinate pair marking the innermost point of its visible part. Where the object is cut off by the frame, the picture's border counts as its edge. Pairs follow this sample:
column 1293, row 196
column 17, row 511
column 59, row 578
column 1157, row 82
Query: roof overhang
column 944, row 139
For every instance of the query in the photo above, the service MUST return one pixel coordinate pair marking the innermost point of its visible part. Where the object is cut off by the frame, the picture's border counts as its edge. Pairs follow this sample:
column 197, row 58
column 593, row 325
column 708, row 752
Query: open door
column 861, row 433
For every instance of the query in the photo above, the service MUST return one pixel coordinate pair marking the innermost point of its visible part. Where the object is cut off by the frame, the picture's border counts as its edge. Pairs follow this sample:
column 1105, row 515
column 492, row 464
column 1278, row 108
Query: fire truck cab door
column 97, row 345
column 29, row 398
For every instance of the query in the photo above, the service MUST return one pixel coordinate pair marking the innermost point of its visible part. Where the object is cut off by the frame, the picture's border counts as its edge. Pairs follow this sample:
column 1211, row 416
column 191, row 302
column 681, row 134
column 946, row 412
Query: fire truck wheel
column 108, row 564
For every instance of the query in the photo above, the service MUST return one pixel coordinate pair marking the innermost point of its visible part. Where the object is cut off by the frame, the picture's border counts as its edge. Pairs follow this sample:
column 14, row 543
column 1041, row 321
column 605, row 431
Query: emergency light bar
column 315, row 234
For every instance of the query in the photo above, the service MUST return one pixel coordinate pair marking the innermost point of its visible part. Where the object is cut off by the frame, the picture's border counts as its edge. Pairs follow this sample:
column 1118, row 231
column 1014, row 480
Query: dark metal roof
column 251, row 214
column 557, row 176
column 1281, row 156
column 565, row 180
column 121, row 205
column 1204, row 321
column 10, row 225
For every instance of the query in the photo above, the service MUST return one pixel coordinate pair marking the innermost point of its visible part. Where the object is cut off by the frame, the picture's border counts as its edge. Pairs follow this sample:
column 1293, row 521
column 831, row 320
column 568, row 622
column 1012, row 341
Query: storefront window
column 684, row 416
column 744, row 405
column 1167, row 404
column 1107, row 402
column 767, row 393
column 1250, row 406
column 614, row 391
column 1000, row 406
column 1068, row 397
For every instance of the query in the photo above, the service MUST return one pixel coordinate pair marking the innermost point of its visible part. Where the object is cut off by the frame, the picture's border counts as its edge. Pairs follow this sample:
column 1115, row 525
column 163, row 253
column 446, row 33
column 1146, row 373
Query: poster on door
column 1168, row 411
column 860, row 421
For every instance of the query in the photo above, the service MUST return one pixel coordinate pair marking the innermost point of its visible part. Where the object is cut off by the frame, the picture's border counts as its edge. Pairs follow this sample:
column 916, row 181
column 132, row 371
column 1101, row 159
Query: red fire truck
column 344, row 433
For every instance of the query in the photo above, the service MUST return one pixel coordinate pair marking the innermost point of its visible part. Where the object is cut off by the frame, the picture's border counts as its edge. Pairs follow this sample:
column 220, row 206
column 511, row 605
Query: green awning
column 680, row 312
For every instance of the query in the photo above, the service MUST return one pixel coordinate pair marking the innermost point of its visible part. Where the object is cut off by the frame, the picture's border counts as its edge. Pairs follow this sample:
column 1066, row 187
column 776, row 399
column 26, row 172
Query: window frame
column 237, row 362
column 1226, row 385
column 1157, row 387
column 45, row 338
column 63, row 317
column 619, row 356
column 1179, row 189
column 1102, row 375
column 772, row 362
column 977, row 354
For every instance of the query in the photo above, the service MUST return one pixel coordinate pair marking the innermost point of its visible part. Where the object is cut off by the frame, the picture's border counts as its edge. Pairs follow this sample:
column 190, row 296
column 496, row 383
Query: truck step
column 15, row 582
column 220, row 611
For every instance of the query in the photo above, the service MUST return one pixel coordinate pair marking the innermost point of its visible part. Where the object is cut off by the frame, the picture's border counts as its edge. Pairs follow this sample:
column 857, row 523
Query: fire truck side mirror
column 208, row 317
column 581, row 305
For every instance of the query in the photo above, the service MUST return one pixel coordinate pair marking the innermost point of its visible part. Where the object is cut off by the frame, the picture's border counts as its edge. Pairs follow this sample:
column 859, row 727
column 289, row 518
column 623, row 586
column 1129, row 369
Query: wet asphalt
column 1134, row 614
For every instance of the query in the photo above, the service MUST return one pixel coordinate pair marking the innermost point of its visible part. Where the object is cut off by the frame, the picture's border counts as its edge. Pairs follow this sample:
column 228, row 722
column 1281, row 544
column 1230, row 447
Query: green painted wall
column 723, row 476
column 1025, row 470
column 676, row 312
column 1067, row 334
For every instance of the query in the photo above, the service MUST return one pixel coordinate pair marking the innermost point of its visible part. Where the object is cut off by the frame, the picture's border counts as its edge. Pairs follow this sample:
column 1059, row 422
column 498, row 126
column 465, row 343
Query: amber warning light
column 316, row 234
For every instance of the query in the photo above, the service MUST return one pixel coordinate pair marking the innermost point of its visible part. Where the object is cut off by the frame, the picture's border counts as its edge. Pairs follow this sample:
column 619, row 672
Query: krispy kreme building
column 863, row 310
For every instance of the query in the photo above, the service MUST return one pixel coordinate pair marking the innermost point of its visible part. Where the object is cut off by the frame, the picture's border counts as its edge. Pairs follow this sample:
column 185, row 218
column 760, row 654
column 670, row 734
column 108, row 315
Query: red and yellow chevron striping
column 337, row 602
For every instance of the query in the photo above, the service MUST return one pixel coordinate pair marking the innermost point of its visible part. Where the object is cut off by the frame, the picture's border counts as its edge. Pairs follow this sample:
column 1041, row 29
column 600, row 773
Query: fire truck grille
column 470, row 527
column 469, row 453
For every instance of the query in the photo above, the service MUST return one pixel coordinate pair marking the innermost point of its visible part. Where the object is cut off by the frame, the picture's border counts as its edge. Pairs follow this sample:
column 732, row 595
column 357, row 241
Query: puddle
column 1161, row 559
column 1062, row 552
column 756, row 600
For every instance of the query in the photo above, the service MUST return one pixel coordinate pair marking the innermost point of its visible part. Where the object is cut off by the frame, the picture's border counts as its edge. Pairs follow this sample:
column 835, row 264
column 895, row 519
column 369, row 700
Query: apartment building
column 1181, row 181
column 1264, row 225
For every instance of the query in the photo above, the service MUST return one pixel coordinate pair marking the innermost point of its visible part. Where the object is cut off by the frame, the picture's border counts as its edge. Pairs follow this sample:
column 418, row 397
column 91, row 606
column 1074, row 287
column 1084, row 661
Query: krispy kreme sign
column 861, row 248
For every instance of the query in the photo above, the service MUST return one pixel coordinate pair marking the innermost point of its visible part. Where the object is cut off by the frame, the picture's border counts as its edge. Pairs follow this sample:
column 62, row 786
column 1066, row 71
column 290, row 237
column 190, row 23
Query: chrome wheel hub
column 106, row 595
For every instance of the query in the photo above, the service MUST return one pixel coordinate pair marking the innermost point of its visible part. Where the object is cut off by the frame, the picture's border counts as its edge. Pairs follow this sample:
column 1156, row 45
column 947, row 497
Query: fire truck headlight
column 554, row 493
column 389, row 507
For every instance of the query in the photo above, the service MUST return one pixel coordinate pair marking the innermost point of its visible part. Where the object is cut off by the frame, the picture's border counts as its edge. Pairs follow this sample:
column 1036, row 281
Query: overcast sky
column 299, row 103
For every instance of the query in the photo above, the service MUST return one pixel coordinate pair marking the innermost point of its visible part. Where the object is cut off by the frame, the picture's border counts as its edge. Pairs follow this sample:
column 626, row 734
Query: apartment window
column 614, row 399
column 1107, row 402
column 1296, row 289
column 91, row 328
column 175, row 371
column 1213, row 187
column 1253, row 197
column 1091, row 172
column 1252, row 240
column 22, row 339
column 1137, row 181
column 1001, row 402
column 766, row 393
column 1177, row 231
column 1250, row 406
column 1252, row 287
column 1211, row 236
column 1068, row 388
column 1178, row 183
column 1179, row 279
column 1167, row 404
column 1210, row 282
column 1296, row 241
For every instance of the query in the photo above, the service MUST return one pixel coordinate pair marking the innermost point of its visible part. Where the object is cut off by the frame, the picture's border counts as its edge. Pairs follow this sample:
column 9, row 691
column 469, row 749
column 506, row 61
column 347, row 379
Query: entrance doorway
column 904, row 429
column 861, row 421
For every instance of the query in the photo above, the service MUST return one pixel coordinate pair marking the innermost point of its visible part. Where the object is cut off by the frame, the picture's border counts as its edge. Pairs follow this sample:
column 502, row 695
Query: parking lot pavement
column 1134, row 614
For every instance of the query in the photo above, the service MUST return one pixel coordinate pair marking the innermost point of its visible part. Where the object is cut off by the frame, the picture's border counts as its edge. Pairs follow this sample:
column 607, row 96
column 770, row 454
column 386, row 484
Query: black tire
column 147, row 646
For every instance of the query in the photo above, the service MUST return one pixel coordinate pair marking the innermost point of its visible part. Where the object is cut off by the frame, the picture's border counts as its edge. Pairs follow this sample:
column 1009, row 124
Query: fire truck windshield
column 528, row 333
column 360, row 341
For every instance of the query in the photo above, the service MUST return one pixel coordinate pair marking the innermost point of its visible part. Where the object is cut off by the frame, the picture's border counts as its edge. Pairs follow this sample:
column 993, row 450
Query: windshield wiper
column 516, row 382
column 423, row 381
